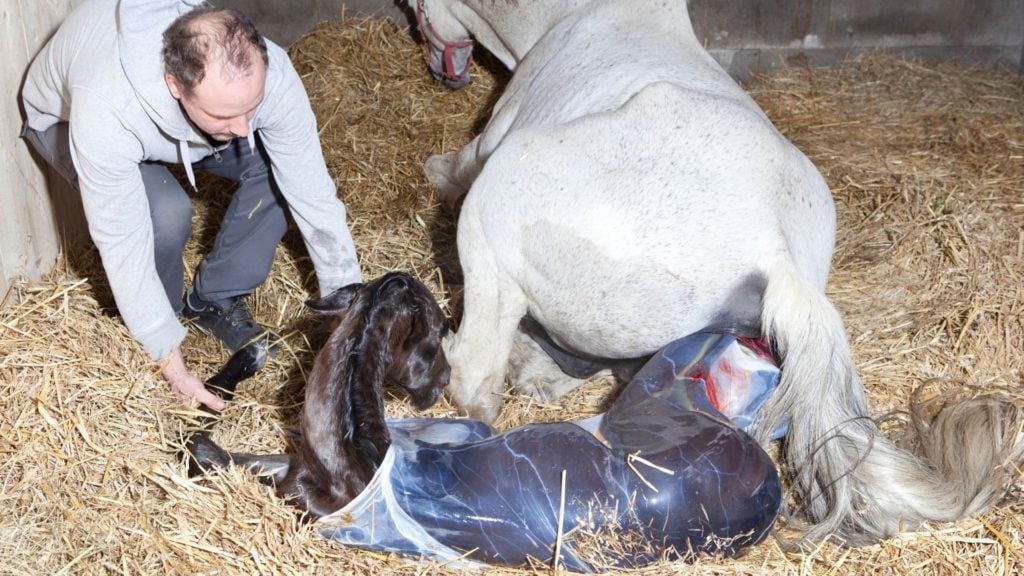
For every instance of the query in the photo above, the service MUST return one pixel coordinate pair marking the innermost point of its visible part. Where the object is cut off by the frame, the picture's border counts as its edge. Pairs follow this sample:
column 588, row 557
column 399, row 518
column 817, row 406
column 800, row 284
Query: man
column 126, row 87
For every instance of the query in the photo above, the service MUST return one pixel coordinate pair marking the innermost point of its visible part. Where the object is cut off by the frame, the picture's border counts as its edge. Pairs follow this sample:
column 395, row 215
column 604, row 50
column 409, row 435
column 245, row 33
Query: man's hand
column 184, row 384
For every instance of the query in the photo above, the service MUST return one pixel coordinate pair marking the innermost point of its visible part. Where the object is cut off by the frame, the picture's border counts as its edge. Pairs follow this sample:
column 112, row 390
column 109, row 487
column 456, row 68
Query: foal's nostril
column 426, row 396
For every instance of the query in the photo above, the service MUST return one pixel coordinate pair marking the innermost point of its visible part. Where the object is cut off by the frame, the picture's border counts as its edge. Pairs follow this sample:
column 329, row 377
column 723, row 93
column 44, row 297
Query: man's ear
column 173, row 86
column 337, row 301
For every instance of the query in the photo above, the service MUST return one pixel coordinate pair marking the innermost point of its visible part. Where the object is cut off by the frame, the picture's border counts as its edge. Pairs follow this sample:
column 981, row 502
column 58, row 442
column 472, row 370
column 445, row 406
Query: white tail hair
column 851, row 481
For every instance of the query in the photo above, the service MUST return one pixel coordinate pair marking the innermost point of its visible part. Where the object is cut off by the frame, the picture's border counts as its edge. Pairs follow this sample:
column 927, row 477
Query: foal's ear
column 392, row 281
column 337, row 301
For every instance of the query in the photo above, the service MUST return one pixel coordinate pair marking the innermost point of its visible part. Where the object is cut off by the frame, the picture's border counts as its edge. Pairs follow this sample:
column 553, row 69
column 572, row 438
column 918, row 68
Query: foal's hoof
column 204, row 454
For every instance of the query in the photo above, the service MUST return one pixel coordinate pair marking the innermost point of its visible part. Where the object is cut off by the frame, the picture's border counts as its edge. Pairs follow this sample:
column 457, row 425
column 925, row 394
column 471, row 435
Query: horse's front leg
column 453, row 173
column 492, row 306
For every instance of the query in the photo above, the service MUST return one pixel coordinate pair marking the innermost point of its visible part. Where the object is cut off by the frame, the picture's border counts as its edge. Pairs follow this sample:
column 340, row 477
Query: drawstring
column 187, row 161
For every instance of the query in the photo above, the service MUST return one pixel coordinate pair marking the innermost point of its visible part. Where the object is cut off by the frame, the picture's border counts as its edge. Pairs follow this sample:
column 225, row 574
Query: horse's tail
column 852, row 481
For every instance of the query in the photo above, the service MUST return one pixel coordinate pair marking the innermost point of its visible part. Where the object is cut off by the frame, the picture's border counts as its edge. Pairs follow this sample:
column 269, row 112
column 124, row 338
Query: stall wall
column 29, row 239
column 745, row 35
column 758, row 35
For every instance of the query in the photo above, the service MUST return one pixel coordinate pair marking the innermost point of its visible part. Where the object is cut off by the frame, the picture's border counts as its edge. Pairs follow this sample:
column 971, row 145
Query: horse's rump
column 621, row 227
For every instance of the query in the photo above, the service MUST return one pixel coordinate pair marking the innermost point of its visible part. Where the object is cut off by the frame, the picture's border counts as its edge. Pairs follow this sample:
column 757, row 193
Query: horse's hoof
column 438, row 170
column 484, row 413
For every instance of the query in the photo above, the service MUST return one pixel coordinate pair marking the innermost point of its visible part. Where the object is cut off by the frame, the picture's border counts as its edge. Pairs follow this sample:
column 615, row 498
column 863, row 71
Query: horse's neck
column 510, row 28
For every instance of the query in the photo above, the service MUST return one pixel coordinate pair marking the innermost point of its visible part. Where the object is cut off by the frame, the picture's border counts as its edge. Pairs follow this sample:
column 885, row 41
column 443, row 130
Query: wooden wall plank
column 29, row 240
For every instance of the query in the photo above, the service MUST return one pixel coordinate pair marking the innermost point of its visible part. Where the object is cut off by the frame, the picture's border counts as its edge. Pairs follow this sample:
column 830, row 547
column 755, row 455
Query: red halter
column 446, row 67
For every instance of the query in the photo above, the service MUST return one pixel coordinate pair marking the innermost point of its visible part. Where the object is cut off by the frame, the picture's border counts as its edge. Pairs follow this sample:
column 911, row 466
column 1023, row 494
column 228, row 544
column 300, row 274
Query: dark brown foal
column 388, row 332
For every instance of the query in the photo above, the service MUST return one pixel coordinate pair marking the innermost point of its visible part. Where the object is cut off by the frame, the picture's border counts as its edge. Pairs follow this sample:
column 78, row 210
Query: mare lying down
column 663, row 473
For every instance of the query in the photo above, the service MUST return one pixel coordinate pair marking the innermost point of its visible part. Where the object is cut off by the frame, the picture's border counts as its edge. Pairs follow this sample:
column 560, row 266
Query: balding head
column 210, row 39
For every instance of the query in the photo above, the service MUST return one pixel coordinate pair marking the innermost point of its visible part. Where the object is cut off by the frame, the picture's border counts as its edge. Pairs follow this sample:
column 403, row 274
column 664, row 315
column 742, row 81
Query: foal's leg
column 205, row 455
column 493, row 305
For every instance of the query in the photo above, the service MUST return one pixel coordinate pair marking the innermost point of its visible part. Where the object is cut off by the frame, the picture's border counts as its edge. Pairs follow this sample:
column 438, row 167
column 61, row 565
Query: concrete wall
column 758, row 35
column 285, row 21
column 745, row 35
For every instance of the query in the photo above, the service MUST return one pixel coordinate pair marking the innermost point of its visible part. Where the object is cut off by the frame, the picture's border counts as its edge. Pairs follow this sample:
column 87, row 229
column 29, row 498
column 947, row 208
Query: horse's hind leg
column 532, row 371
column 493, row 305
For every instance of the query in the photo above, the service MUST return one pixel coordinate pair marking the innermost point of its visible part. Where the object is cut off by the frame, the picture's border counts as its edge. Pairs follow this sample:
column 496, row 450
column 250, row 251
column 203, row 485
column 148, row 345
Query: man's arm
column 107, row 160
column 288, row 131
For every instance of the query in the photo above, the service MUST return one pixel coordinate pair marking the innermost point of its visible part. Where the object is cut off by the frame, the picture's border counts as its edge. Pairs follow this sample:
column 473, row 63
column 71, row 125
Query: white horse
column 626, row 192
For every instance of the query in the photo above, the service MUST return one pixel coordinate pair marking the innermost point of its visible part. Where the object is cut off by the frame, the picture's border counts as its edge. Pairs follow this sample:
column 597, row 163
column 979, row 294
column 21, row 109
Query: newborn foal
column 456, row 490
column 388, row 332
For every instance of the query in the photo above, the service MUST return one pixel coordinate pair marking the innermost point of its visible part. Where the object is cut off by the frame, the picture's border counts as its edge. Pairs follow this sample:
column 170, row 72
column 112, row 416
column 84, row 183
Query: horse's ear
column 337, row 301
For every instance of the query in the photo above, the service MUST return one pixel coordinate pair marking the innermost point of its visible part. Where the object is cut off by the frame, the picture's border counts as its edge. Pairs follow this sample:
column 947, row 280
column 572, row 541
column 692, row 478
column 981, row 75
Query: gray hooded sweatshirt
column 102, row 72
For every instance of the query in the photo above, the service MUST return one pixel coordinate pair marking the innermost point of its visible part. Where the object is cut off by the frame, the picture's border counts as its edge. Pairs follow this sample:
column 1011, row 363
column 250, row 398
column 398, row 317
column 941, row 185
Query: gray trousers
column 253, row 225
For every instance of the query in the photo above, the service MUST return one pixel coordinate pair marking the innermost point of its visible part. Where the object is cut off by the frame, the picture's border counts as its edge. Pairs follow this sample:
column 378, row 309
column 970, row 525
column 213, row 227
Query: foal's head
column 387, row 332
column 395, row 327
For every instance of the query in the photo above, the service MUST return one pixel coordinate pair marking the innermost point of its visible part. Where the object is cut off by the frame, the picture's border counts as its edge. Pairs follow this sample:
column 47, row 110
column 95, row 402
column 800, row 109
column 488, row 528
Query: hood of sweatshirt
column 140, row 38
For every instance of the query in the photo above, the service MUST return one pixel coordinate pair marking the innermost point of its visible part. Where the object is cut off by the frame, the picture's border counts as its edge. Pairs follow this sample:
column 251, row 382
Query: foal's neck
column 369, row 429
column 343, row 421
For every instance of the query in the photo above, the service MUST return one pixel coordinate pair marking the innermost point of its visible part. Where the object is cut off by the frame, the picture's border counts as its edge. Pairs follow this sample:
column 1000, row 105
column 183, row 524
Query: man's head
column 215, row 65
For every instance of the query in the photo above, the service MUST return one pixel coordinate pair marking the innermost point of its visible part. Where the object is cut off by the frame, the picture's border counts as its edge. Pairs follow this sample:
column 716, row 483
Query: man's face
column 222, row 105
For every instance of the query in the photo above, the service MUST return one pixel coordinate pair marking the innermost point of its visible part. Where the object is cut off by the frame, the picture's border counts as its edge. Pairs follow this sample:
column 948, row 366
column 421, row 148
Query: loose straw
column 561, row 519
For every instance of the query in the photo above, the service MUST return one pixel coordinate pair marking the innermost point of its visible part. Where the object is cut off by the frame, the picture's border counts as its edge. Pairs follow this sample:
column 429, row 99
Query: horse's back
column 629, row 228
column 600, row 57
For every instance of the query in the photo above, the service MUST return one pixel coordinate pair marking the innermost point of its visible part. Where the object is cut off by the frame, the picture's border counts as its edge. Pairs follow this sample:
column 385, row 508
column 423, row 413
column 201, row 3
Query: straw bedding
column 927, row 166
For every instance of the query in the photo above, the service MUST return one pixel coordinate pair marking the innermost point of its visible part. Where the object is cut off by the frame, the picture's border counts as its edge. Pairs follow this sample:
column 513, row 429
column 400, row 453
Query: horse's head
column 397, row 335
column 508, row 29
column 447, row 44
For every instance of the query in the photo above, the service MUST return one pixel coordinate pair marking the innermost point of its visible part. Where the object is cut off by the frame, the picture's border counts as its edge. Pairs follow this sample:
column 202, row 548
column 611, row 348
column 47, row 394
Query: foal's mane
column 385, row 323
column 374, row 321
